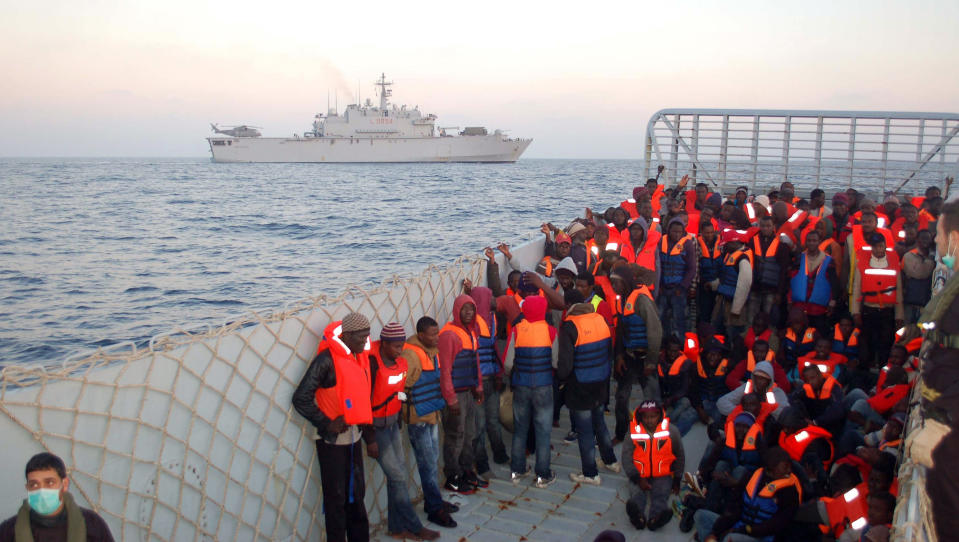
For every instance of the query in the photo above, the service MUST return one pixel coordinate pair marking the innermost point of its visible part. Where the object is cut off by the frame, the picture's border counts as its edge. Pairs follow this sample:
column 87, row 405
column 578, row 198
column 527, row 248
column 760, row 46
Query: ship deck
column 565, row 511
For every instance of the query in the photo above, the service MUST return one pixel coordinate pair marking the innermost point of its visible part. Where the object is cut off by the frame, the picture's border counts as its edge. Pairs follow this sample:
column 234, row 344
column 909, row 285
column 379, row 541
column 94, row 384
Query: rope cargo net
column 194, row 437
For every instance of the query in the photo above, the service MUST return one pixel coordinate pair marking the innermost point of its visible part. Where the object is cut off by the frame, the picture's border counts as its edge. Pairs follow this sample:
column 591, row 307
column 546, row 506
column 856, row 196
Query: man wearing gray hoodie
column 761, row 383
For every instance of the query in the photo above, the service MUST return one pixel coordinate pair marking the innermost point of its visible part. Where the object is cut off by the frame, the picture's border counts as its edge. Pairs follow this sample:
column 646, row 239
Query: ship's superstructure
column 370, row 133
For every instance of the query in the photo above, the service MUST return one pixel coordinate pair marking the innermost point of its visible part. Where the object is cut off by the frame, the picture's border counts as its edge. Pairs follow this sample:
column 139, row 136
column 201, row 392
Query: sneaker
column 635, row 515
column 515, row 477
column 571, row 437
column 451, row 507
column 426, row 534
column 457, row 485
column 692, row 480
column 475, row 480
column 581, row 478
column 442, row 518
column 612, row 467
column 687, row 520
column 543, row 483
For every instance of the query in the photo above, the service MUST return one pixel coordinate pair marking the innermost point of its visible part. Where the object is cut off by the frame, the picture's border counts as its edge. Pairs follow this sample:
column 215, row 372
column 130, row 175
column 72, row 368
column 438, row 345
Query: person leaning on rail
column 49, row 512
column 334, row 395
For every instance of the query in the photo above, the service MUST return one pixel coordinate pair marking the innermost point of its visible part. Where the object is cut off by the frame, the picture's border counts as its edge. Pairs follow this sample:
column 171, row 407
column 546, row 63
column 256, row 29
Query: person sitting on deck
column 761, row 383
column 799, row 339
column 676, row 373
column 770, row 498
column 653, row 459
column 822, row 356
column 743, row 370
column 819, row 399
column 49, row 511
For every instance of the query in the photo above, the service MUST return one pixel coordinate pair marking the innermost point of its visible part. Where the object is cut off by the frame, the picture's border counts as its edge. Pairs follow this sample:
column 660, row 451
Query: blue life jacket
column 821, row 291
column 710, row 262
column 425, row 394
column 850, row 348
column 488, row 358
column 533, row 359
column 591, row 353
column 672, row 261
column 766, row 268
column 748, row 454
column 712, row 386
column 729, row 275
column 759, row 502
column 795, row 348
column 464, row 364
column 635, row 327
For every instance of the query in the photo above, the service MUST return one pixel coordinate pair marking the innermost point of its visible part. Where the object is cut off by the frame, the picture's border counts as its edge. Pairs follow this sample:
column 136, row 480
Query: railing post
column 818, row 151
column 754, row 155
column 723, row 148
column 695, row 145
column 885, row 153
column 851, row 156
column 787, row 132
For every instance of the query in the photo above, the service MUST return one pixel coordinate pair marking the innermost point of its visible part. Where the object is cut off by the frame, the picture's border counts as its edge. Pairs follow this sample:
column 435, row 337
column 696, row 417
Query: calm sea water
column 99, row 251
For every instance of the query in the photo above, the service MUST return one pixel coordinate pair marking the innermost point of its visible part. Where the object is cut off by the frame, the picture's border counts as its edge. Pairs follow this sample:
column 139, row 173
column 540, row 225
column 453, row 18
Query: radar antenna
column 385, row 93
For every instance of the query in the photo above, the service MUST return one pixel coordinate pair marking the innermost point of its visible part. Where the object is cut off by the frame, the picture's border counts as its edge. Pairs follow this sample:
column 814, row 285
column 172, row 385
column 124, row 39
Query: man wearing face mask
column 49, row 511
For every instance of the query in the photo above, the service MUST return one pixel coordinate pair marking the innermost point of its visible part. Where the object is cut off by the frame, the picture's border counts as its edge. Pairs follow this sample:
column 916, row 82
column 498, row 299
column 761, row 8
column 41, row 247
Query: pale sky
column 97, row 78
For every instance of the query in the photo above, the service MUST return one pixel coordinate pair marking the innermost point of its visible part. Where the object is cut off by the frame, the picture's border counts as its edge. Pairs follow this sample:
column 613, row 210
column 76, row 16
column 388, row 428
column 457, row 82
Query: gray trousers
column 458, row 434
column 658, row 496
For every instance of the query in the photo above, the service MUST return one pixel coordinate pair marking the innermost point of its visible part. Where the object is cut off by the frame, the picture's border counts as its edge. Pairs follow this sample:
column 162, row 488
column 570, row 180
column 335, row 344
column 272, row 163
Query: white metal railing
column 880, row 151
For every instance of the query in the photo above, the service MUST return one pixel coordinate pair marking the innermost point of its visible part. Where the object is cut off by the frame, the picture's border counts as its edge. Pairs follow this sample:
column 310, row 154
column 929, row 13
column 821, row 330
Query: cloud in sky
column 114, row 79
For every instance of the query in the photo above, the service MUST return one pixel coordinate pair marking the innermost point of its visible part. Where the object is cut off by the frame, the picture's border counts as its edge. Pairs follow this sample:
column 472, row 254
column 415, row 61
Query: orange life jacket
column 796, row 443
column 824, row 392
column 653, row 454
column 878, row 284
column 387, row 384
column 752, row 436
column 721, row 369
column 885, row 399
column 691, row 346
column 770, row 396
column 647, row 254
column 826, row 366
column 350, row 397
column 850, row 507
column 629, row 204
column 751, row 359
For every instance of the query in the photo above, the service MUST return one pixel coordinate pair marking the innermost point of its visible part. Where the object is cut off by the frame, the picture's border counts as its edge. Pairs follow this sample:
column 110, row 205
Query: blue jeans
column 672, row 310
column 712, row 410
column 704, row 521
column 532, row 406
column 590, row 427
column 400, row 514
column 683, row 415
column 716, row 494
column 425, row 440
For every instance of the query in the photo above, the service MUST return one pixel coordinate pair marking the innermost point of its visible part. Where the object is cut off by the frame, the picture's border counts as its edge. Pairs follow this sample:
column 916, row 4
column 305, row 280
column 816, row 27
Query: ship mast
column 384, row 92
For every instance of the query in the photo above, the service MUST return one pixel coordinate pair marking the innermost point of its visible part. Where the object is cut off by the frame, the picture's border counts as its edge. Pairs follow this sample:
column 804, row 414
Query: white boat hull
column 490, row 148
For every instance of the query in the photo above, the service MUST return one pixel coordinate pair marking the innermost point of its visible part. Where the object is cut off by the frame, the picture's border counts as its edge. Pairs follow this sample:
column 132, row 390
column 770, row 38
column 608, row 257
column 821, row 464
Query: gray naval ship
column 368, row 133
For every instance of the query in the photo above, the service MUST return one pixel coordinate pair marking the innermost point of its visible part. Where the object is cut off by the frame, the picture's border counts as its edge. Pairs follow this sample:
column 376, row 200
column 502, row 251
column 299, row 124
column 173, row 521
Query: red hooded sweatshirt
column 450, row 345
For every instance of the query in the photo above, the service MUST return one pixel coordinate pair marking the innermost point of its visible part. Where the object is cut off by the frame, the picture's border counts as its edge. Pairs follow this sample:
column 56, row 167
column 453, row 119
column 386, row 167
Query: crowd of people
column 770, row 319
column 793, row 331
